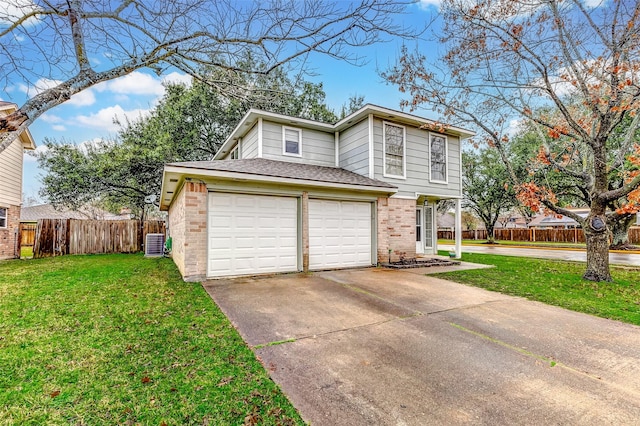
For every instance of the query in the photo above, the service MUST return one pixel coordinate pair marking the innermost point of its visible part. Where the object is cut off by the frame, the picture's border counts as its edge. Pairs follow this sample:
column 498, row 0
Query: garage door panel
column 250, row 234
column 339, row 234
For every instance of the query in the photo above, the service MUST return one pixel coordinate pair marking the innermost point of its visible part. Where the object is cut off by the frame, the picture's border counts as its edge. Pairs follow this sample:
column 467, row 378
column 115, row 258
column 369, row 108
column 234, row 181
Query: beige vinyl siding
column 249, row 144
column 318, row 148
column 11, row 181
column 417, row 163
column 354, row 148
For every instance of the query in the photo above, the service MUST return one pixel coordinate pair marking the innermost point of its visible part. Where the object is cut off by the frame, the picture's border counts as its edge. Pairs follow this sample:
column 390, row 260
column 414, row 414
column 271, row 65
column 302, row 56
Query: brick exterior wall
column 8, row 235
column 396, row 229
column 188, row 231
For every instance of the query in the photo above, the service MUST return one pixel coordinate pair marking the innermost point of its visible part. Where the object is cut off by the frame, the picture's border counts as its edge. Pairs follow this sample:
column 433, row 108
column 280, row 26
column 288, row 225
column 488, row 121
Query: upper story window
column 3, row 217
column 235, row 152
column 291, row 141
column 394, row 151
column 438, row 158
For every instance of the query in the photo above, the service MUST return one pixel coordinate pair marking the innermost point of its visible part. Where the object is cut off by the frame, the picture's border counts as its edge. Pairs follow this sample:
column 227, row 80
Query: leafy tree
column 469, row 220
column 53, row 44
column 188, row 124
column 505, row 59
column 534, row 148
column 485, row 187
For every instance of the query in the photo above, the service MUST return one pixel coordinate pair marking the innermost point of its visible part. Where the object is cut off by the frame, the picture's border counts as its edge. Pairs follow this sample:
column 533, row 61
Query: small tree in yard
column 569, row 70
column 484, row 188
column 54, row 45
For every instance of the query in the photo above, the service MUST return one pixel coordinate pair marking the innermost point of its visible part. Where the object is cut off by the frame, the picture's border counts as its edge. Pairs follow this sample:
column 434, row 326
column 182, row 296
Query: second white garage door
column 339, row 234
column 252, row 234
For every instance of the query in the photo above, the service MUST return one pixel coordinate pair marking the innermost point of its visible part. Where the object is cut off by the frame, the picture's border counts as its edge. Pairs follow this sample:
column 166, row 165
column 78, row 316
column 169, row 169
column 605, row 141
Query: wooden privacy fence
column 532, row 235
column 56, row 237
column 27, row 234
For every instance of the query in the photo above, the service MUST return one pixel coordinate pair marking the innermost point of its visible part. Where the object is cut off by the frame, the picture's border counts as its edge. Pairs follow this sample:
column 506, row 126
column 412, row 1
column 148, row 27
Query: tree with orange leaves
column 504, row 60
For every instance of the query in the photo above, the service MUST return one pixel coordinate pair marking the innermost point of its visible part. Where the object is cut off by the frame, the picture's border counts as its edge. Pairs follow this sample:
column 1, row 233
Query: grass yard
column 556, row 283
column 120, row 339
column 26, row 252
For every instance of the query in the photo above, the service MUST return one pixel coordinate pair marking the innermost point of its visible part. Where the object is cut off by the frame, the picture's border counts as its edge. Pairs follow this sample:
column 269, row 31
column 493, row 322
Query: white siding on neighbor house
column 417, row 164
column 11, row 180
column 318, row 148
column 354, row 148
column 249, row 145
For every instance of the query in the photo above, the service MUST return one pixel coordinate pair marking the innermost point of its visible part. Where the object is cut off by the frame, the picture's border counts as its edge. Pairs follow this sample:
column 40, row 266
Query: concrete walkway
column 579, row 255
column 388, row 347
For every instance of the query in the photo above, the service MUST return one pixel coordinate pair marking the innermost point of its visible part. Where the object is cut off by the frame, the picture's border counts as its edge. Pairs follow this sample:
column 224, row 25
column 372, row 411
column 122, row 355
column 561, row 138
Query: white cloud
column 176, row 77
column 140, row 83
column 592, row 4
column 59, row 128
column 12, row 11
column 514, row 127
column 30, row 157
column 104, row 119
column 84, row 98
column 426, row 4
column 50, row 118
column 135, row 83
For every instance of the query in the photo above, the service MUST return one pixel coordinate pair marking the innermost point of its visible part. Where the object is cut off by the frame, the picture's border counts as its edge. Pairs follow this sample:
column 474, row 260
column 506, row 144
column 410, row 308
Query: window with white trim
column 235, row 152
column 291, row 141
column 394, row 150
column 438, row 158
column 3, row 217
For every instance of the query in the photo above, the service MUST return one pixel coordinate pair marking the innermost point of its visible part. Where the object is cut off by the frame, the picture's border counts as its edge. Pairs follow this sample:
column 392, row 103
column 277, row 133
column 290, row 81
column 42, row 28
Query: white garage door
column 252, row 234
column 339, row 234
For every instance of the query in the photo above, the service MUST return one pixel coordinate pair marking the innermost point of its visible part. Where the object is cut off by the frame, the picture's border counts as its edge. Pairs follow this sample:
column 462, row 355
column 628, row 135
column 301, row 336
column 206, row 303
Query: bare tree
column 571, row 71
column 65, row 46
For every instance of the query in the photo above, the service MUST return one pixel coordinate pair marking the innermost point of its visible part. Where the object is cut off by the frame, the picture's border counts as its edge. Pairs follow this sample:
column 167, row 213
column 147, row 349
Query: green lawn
column 556, row 283
column 26, row 252
column 120, row 339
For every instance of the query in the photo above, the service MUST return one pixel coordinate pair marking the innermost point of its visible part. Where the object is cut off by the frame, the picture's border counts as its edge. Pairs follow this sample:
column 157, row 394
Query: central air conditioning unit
column 154, row 245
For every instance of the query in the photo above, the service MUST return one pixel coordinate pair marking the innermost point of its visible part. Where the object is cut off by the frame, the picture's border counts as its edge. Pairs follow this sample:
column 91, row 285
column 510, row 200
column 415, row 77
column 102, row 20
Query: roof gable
column 253, row 115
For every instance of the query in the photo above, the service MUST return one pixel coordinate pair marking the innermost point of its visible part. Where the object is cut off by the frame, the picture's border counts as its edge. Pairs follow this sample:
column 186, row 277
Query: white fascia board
column 439, row 196
column 235, row 176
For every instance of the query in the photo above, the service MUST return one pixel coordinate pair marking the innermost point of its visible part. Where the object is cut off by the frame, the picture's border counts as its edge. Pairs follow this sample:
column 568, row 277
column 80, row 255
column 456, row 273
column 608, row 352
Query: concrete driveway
column 377, row 346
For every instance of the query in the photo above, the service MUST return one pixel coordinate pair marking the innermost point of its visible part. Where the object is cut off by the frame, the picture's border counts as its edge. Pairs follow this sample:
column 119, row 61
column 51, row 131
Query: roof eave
column 185, row 173
column 391, row 114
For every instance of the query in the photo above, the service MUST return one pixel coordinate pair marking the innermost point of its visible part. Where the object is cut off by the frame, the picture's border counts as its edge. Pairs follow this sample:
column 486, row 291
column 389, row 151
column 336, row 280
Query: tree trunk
column 490, row 233
column 597, row 239
column 620, row 233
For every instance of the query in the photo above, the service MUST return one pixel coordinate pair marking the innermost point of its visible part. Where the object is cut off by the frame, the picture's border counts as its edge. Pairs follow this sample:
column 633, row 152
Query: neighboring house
column 11, row 160
column 48, row 211
column 511, row 221
column 557, row 221
column 286, row 194
column 446, row 221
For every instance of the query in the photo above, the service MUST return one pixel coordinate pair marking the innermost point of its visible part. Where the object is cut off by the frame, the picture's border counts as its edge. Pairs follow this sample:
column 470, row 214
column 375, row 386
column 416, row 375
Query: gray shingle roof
column 47, row 211
column 284, row 169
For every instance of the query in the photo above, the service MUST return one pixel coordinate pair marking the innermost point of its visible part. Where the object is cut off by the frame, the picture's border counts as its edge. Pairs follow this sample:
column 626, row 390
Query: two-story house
column 286, row 194
column 11, row 187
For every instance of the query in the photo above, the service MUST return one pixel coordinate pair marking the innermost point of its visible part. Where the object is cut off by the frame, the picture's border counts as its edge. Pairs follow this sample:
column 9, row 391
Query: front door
column 419, row 231
column 428, row 230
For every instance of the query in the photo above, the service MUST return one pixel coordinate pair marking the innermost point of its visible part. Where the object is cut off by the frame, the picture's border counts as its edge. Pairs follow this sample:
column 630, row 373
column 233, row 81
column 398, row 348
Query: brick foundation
column 396, row 229
column 9, row 234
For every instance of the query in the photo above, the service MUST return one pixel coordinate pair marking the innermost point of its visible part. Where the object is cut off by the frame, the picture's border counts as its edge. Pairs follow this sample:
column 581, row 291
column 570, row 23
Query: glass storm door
column 419, row 231
column 428, row 229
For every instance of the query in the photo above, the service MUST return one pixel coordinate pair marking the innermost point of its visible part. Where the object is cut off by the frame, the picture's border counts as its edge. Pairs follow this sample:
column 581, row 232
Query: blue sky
column 90, row 114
